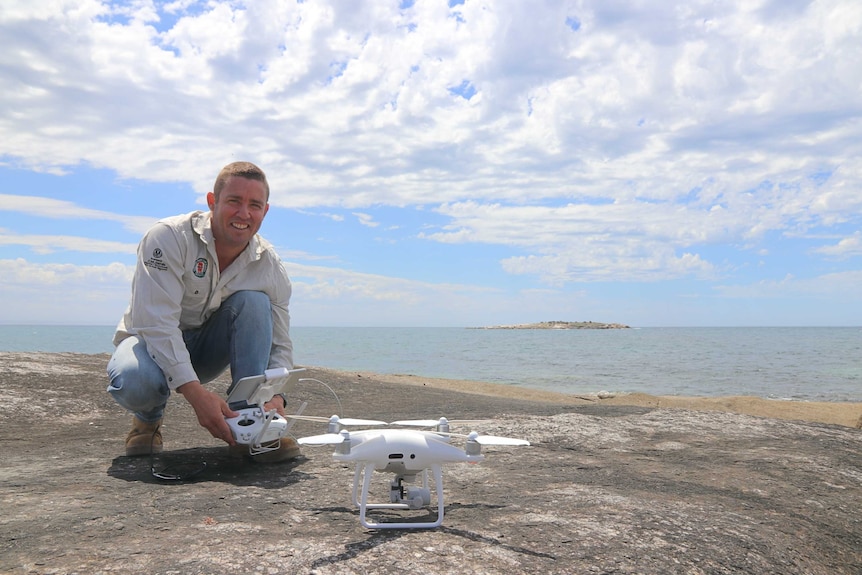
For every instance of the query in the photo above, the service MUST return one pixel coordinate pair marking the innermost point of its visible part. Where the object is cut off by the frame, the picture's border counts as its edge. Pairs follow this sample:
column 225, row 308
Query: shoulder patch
column 156, row 261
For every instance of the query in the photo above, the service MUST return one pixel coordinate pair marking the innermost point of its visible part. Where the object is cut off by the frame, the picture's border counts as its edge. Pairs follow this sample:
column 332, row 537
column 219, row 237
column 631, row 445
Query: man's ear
column 211, row 200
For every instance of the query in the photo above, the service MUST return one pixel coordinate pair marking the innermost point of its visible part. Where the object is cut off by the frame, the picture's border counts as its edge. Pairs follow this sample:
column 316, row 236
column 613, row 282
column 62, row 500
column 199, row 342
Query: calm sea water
column 813, row 363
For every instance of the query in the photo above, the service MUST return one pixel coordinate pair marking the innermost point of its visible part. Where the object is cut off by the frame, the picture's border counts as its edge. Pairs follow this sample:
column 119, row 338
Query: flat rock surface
column 603, row 488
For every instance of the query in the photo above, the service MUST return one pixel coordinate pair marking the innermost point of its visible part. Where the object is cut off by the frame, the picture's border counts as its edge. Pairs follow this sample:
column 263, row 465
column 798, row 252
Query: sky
column 434, row 163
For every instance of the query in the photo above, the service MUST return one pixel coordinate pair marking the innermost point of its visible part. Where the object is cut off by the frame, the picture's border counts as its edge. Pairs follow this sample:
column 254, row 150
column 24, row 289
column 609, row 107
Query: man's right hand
column 211, row 410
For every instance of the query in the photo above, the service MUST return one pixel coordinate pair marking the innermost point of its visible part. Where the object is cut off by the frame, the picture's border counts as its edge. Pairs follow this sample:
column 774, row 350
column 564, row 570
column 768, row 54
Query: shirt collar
column 202, row 225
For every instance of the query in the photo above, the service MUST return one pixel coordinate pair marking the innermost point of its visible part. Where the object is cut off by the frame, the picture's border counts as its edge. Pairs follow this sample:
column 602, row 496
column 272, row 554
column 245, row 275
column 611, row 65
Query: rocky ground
column 604, row 488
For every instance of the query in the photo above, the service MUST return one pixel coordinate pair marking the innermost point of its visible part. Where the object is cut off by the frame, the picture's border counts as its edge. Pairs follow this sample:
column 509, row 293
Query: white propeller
column 436, row 422
column 493, row 439
column 324, row 439
column 336, row 419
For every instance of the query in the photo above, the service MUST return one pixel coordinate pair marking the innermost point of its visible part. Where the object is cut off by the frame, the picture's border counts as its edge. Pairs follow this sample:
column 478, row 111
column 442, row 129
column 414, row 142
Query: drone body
column 410, row 454
column 404, row 451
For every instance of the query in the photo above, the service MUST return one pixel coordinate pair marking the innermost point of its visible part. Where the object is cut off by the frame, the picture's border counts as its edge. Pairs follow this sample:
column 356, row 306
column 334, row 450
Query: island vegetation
column 561, row 325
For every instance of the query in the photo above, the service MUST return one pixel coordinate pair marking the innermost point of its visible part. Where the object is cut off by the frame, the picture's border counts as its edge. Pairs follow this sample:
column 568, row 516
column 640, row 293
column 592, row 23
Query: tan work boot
column 144, row 438
column 289, row 449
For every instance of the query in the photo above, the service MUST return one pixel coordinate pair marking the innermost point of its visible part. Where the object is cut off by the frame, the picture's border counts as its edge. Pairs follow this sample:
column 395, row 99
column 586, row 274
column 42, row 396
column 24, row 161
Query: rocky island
column 561, row 325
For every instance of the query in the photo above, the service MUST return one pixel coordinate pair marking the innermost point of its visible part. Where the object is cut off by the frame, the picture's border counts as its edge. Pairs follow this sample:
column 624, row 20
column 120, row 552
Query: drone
column 408, row 453
column 260, row 430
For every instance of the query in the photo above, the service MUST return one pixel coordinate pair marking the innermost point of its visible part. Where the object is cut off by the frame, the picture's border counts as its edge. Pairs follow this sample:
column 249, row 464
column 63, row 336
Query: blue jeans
column 238, row 334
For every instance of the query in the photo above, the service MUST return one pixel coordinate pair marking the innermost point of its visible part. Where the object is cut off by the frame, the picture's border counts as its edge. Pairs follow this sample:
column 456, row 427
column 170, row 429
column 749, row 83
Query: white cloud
column 366, row 219
column 593, row 140
column 317, row 282
column 64, row 293
column 62, row 209
column 333, row 296
column 360, row 100
column 843, row 285
column 847, row 247
column 46, row 244
column 20, row 271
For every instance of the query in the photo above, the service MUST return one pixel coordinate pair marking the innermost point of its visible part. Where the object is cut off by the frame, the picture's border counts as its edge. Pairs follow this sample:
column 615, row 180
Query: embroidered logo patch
column 201, row 265
column 156, row 261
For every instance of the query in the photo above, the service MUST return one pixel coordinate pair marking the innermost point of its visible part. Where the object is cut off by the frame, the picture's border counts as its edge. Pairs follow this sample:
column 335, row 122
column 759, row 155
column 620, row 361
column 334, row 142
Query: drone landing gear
column 400, row 497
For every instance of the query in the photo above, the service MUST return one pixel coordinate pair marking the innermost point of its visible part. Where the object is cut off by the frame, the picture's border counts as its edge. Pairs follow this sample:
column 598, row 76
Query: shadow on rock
column 377, row 538
column 201, row 465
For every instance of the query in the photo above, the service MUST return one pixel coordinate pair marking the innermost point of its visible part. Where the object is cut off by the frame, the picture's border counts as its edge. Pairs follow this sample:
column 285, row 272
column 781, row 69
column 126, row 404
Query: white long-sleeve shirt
column 177, row 286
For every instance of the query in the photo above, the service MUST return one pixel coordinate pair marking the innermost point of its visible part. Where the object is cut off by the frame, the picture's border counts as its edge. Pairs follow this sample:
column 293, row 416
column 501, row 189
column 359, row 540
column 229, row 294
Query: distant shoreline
column 559, row 325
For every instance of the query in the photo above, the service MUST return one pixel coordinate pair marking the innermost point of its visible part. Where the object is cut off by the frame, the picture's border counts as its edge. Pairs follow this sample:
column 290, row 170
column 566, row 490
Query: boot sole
column 137, row 450
column 277, row 456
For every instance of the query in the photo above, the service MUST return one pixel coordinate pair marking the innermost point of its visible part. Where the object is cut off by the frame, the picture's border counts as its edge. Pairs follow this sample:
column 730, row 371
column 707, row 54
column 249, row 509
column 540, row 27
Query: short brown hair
column 245, row 170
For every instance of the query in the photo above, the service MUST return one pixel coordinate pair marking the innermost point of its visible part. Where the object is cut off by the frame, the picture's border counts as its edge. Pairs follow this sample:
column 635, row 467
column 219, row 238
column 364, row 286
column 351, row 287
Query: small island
column 560, row 325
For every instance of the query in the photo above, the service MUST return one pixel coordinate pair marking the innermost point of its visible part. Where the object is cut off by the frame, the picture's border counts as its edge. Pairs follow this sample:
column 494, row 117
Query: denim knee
column 136, row 382
column 251, row 304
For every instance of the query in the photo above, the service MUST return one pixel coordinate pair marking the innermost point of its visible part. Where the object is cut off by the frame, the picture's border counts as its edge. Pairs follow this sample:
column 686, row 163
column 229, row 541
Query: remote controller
column 260, row 430
column 253, row 427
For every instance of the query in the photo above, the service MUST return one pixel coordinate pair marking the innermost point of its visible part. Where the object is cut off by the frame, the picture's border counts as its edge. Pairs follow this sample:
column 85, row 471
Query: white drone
column 260, row 430
column 407, row 453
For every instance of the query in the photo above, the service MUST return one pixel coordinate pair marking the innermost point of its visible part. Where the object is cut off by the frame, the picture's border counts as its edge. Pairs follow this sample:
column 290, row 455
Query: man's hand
column 276, row 403
column 211, row 410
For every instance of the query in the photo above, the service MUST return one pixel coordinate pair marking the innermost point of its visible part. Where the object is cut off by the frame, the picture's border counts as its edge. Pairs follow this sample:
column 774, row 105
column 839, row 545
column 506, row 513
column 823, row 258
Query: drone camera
column 418, row 497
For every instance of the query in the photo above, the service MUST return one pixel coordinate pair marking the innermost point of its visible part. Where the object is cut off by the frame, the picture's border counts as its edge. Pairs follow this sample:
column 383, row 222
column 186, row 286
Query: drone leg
column 363, row 502
column 437, row 469
column 357, row 472
column 438, row 479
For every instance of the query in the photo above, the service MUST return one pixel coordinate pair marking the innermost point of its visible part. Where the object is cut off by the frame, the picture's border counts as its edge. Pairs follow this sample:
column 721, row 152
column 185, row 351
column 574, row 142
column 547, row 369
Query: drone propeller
column 486, row 439
column 324, row 439
column 338, row 420
column 493, row 439
column 436, row 422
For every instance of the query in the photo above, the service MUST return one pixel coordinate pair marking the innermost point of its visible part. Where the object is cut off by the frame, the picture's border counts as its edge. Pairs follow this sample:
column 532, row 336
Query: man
column 208, row 293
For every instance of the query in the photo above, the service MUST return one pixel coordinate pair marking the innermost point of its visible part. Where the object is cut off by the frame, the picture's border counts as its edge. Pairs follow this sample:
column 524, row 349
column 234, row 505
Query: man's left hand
column 276, row 403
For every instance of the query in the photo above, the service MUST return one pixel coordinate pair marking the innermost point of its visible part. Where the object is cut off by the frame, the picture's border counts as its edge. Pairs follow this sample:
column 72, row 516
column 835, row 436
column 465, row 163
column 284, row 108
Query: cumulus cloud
column 594, row 140
column 45, row 244
column 64, row 293
column 839, row 284
column 64, row 209
column 845, row 248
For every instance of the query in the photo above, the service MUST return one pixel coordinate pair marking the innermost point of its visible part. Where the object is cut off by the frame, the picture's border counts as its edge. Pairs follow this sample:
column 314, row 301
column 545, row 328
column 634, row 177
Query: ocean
column 801, row 363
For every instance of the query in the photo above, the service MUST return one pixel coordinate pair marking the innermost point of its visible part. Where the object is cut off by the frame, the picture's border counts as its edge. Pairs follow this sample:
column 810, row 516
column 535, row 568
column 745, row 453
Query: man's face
column 239, row 211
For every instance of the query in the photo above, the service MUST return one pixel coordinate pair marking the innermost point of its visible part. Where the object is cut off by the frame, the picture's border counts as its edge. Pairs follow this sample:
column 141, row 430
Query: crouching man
column 208, row 293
